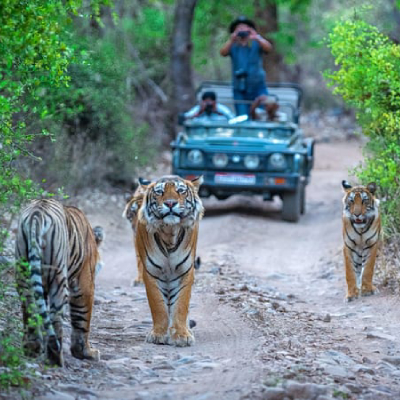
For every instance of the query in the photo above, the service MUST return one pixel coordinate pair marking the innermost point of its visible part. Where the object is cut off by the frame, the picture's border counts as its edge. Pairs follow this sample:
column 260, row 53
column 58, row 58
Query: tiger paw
column 92, row 354
column 157, row 337
column 352, row 294
column 368, row 290
column 181, row 337
column 85, row 353
column 54, row 352
column 137, row 282
column 33, row 348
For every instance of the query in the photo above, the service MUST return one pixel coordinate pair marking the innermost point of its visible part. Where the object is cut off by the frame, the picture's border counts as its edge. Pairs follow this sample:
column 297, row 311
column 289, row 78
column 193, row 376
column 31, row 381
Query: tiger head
column 134, row 201
column 172, row 200
column 360, row 204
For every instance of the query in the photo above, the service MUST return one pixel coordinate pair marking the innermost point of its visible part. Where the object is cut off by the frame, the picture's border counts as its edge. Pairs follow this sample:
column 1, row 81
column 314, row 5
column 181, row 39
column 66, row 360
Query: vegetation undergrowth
column 13, row 369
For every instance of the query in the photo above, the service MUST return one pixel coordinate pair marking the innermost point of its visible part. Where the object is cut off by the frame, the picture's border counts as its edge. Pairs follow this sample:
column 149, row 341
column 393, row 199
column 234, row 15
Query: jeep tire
column 291, row 206
column 302, row 199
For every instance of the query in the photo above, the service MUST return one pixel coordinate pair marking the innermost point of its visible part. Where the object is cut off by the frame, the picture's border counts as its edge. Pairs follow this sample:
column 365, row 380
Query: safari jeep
column 239, row 156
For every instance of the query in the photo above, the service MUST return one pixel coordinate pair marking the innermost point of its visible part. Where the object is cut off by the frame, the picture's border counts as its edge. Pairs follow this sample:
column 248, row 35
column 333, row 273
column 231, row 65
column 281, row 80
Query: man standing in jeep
column 245, row 47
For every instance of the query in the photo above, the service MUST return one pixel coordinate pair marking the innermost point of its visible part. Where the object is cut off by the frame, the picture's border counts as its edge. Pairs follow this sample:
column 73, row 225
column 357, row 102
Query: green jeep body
column 267, row 158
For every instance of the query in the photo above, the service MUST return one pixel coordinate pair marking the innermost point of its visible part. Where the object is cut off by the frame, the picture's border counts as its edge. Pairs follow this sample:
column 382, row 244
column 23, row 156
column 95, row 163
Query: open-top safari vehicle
column 242, row 156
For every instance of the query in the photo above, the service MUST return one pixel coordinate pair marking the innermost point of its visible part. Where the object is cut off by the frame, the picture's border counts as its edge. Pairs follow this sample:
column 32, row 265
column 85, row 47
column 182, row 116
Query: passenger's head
column 209, row 96
column 209, row 100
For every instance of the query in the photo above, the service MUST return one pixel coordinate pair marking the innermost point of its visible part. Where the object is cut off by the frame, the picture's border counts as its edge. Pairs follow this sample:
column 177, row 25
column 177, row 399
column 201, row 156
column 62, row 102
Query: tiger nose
column 170, row 203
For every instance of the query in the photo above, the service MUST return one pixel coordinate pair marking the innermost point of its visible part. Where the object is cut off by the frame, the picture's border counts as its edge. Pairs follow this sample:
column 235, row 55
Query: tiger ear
column 346, row 185
column 143, row 182
column 197, row 182
column 371, row 187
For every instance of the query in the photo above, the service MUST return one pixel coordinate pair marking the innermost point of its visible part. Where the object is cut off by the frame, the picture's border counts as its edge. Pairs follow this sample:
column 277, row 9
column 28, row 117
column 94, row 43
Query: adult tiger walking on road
column 166, row 239
column 56, row 253
column 361, row 235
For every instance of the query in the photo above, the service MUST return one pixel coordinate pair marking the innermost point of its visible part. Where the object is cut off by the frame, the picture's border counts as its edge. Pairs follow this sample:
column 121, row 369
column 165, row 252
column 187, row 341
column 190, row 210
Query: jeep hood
column 244, row 142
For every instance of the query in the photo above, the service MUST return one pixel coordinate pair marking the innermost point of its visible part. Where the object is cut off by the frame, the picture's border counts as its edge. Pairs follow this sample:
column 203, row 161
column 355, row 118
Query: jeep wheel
column 291, row 205
column 222, row 196
column 303, row 199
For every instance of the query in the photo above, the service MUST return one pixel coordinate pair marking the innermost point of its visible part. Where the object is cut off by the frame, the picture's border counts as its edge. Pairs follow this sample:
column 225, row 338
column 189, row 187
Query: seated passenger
column 209, row 109
column 271, row 108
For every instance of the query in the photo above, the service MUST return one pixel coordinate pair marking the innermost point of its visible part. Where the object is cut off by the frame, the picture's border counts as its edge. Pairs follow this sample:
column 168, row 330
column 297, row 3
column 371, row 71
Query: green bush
column 368, row 79
column 93, row 120
column 12, row 360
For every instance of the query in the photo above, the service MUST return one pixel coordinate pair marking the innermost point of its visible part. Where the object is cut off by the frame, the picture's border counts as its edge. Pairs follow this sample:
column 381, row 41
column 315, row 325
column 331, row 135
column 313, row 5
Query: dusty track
column 268, row 302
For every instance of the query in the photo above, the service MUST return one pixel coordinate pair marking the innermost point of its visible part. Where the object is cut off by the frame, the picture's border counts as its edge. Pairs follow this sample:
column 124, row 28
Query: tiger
column 166, row 240
column 56, row 253
column 361, row 236
column 133, row 204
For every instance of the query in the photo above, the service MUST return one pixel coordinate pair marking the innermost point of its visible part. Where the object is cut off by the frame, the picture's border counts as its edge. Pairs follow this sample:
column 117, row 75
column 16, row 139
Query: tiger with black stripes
column 133, row 204
column 361, row 236
column 56, row 252
column 166, row 239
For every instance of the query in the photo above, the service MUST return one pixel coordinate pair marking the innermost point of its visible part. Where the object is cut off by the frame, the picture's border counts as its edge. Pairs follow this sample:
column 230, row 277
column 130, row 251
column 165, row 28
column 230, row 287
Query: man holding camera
column 209, row 108
column 245, row 47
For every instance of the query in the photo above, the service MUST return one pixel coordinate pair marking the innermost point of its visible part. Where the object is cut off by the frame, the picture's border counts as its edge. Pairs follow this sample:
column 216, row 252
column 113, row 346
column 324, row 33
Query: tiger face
column 359, row 203
column 172, row 200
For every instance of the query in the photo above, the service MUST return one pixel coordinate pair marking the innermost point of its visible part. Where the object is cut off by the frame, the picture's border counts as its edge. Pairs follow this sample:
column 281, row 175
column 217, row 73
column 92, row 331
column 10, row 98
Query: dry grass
column 388, row 265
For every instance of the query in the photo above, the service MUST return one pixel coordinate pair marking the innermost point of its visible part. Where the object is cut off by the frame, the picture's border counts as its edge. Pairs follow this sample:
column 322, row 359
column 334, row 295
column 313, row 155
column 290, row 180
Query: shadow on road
column 243, row 205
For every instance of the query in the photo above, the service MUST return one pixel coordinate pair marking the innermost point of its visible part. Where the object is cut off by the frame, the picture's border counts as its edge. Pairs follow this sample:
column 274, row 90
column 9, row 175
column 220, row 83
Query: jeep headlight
column 220, row 160
column 251, row 161
column 195, row 157
column 277, row 161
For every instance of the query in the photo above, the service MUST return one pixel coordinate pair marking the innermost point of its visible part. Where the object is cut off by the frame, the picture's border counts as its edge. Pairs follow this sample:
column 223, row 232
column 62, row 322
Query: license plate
column 235, row 179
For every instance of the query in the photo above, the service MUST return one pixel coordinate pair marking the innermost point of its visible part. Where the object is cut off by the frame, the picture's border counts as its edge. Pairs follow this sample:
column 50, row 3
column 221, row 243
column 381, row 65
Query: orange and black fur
column 133, row 203
column 361, row 235
column 56, row 253
column 166, row 240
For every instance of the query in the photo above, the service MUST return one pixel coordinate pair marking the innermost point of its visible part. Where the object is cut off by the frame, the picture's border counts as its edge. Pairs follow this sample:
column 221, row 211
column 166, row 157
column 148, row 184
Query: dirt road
column 268, row 302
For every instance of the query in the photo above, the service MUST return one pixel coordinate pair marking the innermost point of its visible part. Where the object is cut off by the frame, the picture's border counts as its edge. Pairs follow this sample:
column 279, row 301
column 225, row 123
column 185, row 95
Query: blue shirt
column 248, row 58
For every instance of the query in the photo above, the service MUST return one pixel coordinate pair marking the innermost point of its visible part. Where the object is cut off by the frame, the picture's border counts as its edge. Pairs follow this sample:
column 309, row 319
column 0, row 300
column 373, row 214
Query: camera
column 209, row 109
column 241, row 78
column 243, row 34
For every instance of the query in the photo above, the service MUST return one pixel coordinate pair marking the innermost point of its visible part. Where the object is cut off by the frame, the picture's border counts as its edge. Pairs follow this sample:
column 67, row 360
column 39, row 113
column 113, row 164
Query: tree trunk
column 267, row 22
column 395, row 35
column 183, row 94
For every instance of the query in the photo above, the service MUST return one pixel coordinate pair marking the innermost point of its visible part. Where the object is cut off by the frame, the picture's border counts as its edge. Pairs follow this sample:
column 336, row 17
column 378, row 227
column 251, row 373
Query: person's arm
column 265, row 45
column 226, row 48
column 192, row 113
column 225, row 111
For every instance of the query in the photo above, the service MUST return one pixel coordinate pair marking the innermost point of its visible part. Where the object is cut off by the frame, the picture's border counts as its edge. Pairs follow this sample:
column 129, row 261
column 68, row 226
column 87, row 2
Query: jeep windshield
column 273, row 133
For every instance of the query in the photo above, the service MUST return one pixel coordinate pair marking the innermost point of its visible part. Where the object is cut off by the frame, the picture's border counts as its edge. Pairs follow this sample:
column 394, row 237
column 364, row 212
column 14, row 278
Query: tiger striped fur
column 361, row 236
column 133, row 203
column 56, row 253
column 166, row 240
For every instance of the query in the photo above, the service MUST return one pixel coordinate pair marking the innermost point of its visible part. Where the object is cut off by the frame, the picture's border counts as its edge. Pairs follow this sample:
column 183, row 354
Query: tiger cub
column 133, row 203
column 361, row 235
column 56, row 253
column 166, row 240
